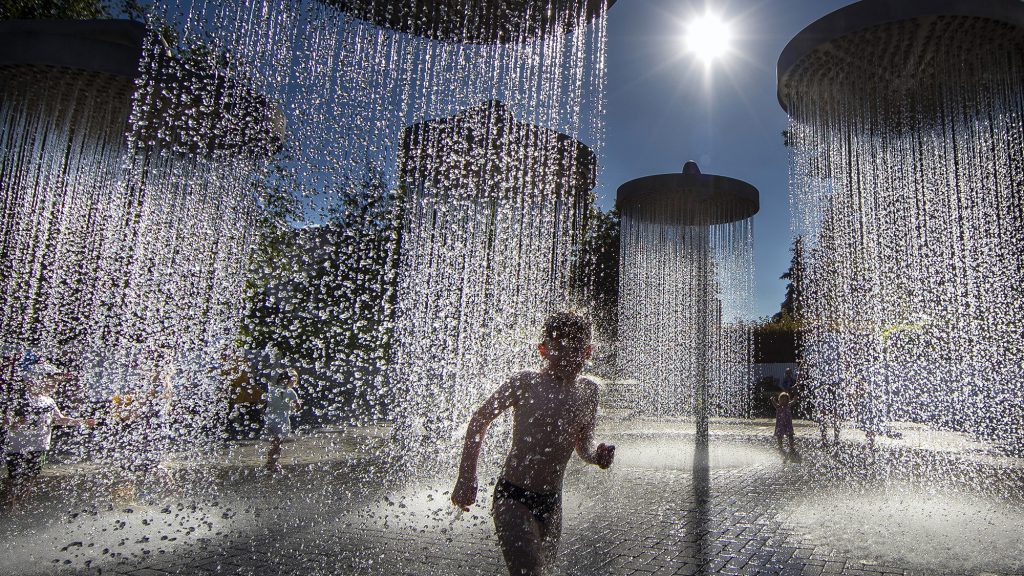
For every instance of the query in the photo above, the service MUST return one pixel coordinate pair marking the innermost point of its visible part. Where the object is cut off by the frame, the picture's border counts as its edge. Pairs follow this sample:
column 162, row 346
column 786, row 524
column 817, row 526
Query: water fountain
column 493, row 215
column 197, row 165
column 685, row 284
column 906, row 185
column 906, row 188
column 126, row 210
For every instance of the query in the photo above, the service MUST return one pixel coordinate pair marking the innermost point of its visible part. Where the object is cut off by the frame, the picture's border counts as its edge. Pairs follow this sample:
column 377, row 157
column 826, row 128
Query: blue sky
column 664, row 107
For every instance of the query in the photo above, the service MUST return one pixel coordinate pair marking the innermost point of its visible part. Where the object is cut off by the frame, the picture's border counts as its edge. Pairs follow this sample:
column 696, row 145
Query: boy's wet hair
column 784, row 395
column 567, row 328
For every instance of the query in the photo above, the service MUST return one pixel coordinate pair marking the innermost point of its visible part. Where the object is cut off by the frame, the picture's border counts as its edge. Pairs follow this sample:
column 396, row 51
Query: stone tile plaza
column 754, row 513
column 394, row 287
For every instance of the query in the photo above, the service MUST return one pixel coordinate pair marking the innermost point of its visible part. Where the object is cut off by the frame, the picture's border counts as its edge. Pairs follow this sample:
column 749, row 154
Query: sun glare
column 708, row 37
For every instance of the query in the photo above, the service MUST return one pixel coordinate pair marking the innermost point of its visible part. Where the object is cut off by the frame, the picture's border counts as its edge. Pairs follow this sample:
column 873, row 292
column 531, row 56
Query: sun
column 709, row 37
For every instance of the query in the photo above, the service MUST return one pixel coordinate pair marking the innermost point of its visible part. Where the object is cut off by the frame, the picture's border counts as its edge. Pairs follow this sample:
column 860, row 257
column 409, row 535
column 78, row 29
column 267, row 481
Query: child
column 784, row 422
column 281, row 402
column 788, row 381
column 553, row 413
column 30, row 433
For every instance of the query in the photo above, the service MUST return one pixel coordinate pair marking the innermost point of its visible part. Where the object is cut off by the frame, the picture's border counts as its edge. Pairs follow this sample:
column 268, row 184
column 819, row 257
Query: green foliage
column 323, row 294
column 598, row 276
column 792, row 305
column 776, row 341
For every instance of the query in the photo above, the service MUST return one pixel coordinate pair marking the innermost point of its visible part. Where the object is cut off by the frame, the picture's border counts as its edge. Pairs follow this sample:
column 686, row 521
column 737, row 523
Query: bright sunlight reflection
column 708, row 37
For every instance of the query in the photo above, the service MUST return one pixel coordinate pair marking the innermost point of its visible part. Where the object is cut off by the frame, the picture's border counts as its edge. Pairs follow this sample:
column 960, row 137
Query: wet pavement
column 927, row 502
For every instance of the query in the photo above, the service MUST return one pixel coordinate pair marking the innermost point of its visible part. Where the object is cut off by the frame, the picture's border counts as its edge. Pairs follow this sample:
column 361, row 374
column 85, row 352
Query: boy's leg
column 274, row 454
column 520, row 537
column 550, row 534
column 23, row 470
column 7, row 492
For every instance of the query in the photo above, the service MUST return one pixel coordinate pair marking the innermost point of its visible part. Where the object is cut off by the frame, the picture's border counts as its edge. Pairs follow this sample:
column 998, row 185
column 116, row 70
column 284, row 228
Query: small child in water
column 282, row 401
column 554, row 411
column 30, row 432
column 784, row 422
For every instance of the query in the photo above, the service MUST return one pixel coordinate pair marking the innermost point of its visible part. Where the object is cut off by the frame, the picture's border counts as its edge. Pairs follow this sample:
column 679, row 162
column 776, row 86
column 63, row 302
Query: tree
column 792, row 305
column 323, row 294
column 598, row 277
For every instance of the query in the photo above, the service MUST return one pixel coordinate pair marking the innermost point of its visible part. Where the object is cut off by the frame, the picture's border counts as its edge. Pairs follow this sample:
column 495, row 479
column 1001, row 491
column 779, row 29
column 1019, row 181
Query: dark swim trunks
column 25, row 465
column 541, row 505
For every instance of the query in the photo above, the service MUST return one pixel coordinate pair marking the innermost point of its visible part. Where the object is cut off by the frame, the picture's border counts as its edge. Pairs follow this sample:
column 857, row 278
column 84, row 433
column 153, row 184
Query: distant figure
column 869, row 415
column 828, row 411
column 30, row 432
column 246, row 397
column 140, row 428
column 554, row 411
column 788, row 381
column 784, row 423
column 282, row 401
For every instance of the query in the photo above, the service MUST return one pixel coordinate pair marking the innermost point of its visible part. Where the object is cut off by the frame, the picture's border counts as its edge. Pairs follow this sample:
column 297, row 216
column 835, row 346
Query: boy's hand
column 464, row 493
column 604, row 455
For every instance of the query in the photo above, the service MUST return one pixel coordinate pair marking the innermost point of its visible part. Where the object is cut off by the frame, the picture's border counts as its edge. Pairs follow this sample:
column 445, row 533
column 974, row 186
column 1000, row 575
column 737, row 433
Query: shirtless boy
column 553, row 413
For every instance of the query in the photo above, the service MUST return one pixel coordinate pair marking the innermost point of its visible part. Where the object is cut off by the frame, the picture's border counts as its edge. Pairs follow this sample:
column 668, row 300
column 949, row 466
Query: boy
column 30, row 433
column 554, row 412
column 281, row 402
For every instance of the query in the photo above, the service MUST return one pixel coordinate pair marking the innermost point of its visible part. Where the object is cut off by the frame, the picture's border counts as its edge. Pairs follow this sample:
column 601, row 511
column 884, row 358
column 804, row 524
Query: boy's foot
column 274, row 468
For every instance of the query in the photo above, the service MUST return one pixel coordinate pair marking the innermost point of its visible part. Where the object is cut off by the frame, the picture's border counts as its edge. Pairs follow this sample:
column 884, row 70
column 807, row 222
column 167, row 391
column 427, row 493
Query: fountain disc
column 473, row 21
column 478, row 148
column 707, row 199
column 888, row 53
column 98, row 46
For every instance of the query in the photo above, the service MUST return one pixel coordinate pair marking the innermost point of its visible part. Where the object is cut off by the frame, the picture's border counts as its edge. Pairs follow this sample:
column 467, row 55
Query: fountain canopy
column 197, row 108
column 475, row 21
column 485, row 151
column 707, row 199
column 103, row 46
column 895, row 51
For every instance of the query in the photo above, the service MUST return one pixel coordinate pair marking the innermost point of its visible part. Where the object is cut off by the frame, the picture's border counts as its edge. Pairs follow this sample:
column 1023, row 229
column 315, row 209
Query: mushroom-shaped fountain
column 906, row 137
column 684, row 282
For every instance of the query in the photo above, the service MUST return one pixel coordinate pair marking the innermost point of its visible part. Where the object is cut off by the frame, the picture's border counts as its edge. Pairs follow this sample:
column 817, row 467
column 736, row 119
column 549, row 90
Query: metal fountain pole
column 700, row 396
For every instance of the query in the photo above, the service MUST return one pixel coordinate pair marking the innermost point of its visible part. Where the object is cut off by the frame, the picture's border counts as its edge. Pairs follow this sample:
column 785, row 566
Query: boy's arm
column 61, row 420
column 603, row 454
column 464, row 493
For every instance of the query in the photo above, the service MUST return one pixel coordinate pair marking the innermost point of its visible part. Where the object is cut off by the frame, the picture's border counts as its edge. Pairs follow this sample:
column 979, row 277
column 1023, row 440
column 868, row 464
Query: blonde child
column 784, row 422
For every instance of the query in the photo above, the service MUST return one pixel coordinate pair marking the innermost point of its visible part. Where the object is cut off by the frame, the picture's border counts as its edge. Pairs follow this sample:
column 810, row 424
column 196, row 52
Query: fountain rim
column 867, row 14
column 103, row 45
column 443, row 28
column 498, row 118
column 722, row 194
